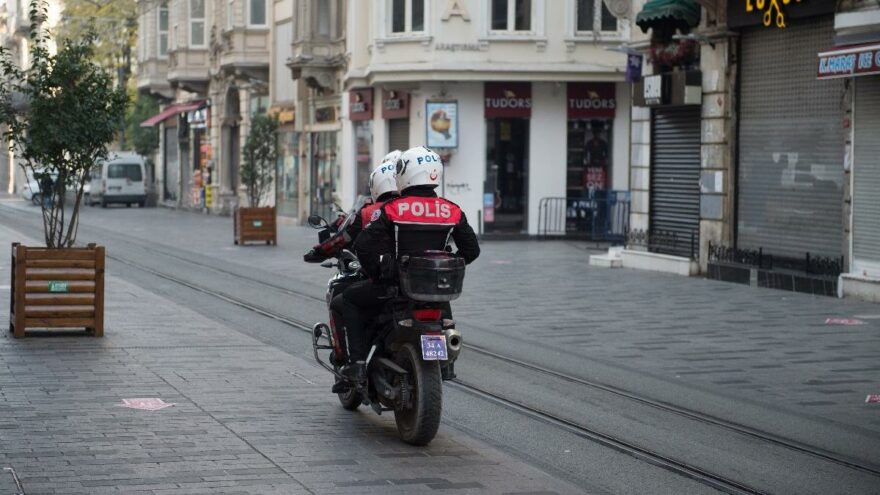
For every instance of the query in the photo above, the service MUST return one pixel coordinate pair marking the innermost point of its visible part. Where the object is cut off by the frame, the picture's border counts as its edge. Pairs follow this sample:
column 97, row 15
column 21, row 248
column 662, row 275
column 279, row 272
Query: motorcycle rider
column 382, row 188
column 416, row 221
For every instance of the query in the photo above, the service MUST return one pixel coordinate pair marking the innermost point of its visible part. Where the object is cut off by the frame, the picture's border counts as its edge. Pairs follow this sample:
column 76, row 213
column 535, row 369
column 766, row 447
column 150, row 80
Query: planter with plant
column 256, row 223
column 60, row 114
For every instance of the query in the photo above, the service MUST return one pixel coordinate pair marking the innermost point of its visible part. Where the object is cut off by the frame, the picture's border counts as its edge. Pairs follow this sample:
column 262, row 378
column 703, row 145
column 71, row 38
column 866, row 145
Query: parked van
column 120, row 180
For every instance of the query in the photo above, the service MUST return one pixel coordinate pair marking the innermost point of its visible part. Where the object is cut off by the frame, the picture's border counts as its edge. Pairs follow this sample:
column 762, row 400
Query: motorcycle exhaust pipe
column 453, row 342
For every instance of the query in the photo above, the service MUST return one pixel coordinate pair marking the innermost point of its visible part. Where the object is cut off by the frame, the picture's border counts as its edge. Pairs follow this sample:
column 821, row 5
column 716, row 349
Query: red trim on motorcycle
column 427, row 314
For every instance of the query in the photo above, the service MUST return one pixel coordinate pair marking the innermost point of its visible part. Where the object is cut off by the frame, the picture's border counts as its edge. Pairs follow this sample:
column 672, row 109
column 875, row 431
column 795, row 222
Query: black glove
column 313, row 257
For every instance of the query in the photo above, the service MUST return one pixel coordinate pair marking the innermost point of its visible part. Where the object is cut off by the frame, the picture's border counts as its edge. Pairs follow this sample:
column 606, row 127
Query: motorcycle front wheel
column 418, row 423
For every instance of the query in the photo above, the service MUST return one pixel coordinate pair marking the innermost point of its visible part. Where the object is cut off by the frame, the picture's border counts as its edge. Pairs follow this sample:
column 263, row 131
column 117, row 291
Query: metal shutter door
column 675, row 179
column 791, row 143
column 866, row 171
column 398, row 134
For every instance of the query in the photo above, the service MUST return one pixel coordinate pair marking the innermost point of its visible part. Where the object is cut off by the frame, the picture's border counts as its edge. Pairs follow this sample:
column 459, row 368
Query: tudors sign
column 849, row 61
column 591, row 101
column 395, row 105
column 360, row 104
column 508, row 100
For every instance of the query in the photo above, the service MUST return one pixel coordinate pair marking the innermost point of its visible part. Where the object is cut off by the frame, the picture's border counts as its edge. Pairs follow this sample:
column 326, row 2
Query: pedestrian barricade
column 599, row 216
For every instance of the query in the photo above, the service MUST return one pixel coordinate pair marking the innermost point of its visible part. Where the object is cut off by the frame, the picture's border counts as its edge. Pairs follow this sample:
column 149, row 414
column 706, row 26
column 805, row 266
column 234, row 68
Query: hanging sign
column 395, row 105
column 360, row 104
column 591, row 101
column 774, row 13
column 633, row 67
column 508, row 100
column 849, row 62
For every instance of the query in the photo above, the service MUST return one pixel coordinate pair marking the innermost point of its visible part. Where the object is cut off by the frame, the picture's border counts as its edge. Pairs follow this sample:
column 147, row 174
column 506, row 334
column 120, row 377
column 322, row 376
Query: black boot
column 355, row 372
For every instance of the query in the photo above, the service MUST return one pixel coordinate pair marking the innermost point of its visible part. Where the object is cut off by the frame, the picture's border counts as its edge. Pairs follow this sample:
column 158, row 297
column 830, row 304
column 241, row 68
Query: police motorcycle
column 416, row 342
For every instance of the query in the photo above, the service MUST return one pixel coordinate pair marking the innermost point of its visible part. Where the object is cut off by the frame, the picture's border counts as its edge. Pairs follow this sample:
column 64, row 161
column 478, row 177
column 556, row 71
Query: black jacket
column 379, row 237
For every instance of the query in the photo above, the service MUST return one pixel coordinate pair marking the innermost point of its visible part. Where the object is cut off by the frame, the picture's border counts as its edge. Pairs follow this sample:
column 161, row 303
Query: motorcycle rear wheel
column 418, row 424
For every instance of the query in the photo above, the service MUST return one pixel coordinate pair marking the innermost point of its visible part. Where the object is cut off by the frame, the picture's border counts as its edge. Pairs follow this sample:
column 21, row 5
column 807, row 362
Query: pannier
column 435, row 276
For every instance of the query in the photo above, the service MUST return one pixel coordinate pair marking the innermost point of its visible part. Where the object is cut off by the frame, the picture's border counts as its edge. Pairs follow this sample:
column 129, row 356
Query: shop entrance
column 324, row 173
column 507, row 174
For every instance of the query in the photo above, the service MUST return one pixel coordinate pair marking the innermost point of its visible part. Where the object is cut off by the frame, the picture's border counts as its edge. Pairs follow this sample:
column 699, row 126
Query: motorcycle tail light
column 427, row 314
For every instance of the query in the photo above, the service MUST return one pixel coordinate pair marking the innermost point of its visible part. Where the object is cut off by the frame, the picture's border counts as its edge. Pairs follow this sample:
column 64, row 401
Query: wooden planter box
column 255, row 225
column 57, row 288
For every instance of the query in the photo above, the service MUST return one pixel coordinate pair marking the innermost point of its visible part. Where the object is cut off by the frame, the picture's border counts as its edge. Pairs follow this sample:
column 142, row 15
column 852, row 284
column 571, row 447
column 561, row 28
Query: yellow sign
column 770, row 6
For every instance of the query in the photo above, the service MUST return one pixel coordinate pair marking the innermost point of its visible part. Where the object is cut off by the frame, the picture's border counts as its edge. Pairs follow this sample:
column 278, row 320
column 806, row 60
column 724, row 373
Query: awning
column 682, row 13
column 172, row 110
column 849, row 61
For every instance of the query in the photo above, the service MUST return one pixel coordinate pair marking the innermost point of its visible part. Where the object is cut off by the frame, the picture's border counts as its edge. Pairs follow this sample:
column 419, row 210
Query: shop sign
column 653, row 89
column 847, row 62
column 591, row 101
column 360, row 104
column 778, row 13
column 442, row 124
column 508, row 100
column 633, row 67
column 395, row 105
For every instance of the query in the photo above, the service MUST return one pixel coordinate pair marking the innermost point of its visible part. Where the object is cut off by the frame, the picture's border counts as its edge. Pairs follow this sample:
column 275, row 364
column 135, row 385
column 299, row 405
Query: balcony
column 317, row 62
column 153, row 78
column 242, row 52
column 189, row 69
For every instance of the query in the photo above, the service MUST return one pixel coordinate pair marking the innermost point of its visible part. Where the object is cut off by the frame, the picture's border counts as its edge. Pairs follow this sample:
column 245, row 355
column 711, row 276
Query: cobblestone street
column 252, row 413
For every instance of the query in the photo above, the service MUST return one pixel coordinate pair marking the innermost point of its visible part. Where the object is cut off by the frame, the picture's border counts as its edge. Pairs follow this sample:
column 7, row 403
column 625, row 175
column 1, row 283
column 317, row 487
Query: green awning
column 681, row 13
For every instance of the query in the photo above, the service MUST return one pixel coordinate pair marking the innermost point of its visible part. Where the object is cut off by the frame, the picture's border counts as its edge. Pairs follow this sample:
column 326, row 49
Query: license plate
column 434, row 348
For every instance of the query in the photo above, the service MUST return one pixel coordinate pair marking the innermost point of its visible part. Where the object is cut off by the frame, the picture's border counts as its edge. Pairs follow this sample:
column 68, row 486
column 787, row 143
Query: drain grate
column 9, row 482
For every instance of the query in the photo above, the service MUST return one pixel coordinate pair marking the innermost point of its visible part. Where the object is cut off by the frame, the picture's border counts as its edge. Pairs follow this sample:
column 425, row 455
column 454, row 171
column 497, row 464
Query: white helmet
column 382, row 180
column 419, row 166
column 392, row 156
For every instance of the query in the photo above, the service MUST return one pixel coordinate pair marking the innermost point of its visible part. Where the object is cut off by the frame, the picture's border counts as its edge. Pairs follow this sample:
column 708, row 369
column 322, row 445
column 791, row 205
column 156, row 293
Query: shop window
column 197, row 23
column 511, row 15
column 163, row 31
column 288, row 172
column 589, row 157
column 407, row 16
column 363, row 136
column 257, row 13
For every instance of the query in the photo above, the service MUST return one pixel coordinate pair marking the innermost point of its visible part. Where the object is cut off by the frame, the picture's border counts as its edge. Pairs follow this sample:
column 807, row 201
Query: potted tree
column 60, row 114
column 256, row 222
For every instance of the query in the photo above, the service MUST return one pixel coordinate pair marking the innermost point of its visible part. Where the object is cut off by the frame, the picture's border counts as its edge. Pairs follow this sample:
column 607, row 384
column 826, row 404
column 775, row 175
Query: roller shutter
column 398, row 134
column 675, row 180
column 791, row 143
column 866, row 174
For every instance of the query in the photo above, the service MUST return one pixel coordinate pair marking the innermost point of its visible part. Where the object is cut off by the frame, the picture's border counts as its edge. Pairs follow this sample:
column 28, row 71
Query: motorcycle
column 416, row 342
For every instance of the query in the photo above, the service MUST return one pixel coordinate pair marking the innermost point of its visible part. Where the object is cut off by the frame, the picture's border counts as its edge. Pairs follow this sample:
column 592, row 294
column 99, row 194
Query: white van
column 120, row 179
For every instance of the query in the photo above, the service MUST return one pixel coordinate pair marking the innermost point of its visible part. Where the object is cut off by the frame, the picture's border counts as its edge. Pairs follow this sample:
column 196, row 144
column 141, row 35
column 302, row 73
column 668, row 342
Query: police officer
column 417, row 221
column 382, row 188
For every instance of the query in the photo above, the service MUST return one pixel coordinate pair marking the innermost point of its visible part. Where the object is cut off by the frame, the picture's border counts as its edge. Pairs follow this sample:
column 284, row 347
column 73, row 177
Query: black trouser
column 361, row 302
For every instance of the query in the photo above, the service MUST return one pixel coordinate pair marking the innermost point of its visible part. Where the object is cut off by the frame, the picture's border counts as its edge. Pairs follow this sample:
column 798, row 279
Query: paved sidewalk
column 247, row 417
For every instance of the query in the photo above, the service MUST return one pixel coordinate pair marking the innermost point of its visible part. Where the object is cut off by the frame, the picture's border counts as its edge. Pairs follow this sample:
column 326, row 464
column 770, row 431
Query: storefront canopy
column 172, row 110
column 681, row 13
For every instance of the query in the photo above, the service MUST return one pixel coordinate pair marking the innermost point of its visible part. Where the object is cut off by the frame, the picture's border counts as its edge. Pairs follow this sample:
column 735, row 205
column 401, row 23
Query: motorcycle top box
column 435, row 276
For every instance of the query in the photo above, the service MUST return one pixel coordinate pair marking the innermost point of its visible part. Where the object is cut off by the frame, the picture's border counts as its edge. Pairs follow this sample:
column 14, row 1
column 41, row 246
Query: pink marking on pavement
column 501, row 262
column 145, row 404
column 873, row 399
column 843, row 321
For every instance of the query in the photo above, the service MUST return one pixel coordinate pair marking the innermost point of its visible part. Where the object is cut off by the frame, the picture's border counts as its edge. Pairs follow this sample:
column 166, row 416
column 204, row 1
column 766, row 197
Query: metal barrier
column 600, row 216
column 685, row 244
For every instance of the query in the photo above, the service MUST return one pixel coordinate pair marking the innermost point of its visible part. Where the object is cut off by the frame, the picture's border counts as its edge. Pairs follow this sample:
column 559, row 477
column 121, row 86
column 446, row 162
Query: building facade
column 521, row 99
column 208, row 62
column 754, row 145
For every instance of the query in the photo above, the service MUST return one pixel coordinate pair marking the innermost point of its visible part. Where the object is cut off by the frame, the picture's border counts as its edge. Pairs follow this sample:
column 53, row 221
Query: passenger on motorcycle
column 382, row 188
column 416, row 221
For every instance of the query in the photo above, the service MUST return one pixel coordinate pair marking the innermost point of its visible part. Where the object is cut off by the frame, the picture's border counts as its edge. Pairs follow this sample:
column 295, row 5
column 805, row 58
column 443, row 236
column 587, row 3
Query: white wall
column 348, row 172
column 467, row 166
column 547, row 146
column 621, row 142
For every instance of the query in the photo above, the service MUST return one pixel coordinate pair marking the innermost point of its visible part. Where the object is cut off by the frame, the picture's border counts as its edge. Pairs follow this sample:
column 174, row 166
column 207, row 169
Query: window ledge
column 424, row 40
column 523, row 38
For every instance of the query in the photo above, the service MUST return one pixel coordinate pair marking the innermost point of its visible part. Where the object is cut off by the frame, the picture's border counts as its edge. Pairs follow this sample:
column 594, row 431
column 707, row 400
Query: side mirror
column 317, row 222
